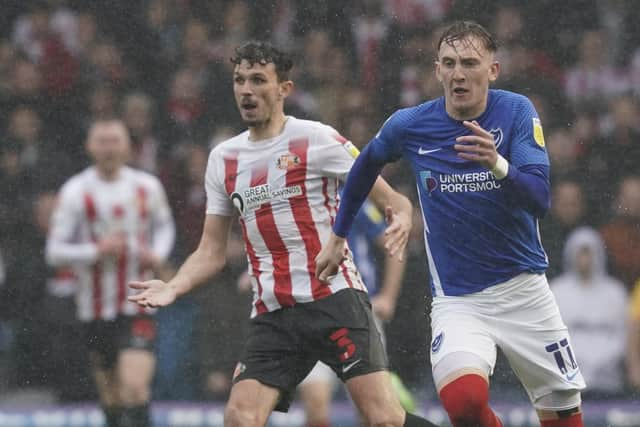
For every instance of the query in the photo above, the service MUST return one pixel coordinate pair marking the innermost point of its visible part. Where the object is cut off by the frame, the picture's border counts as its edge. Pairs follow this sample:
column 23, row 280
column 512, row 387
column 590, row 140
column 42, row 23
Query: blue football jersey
column 475, row 235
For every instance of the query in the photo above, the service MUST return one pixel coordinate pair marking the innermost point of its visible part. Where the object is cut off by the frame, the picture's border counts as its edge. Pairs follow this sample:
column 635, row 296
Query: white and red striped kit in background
column 90, row 208
column 286, row 192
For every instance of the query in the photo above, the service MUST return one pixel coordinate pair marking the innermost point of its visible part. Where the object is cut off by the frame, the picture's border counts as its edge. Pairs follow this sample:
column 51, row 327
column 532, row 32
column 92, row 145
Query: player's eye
column 238, row 80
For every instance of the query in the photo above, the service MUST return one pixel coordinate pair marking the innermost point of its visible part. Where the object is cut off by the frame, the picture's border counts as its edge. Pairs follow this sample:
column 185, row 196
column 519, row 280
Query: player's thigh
column 316, row 391
column 537, row 345
column 374, row 397
column 274, row 355
column 462, row 340
column 250, row 403
column 344, row 334
column 135, row 368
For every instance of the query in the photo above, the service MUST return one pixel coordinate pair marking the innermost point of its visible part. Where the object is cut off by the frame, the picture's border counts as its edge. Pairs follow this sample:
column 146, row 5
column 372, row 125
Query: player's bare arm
column 207, row 260
column 399, row 216
column 477, row 147
column 398, row 213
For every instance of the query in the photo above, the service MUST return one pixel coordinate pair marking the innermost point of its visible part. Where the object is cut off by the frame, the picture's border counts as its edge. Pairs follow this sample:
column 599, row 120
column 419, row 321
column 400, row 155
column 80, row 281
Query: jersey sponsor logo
column 538, row 135
column 459, row 182
column 497, row 135
column 254, row 197
column 428, row 181
column 287, row 161
column 422, row 152
column 437, row 342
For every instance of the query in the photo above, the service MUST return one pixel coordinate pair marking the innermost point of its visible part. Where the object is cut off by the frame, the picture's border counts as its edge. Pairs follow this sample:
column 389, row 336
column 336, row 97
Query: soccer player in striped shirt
column 482, row 173
column 112, row 225
column 281, row 178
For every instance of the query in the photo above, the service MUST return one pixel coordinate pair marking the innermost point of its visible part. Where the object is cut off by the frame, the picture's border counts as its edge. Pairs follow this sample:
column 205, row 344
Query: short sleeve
column 528, row 146
column 334, row 153
column 219, row 166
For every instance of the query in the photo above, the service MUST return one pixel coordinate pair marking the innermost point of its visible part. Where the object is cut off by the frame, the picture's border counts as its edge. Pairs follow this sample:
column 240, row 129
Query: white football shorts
column 520, row 317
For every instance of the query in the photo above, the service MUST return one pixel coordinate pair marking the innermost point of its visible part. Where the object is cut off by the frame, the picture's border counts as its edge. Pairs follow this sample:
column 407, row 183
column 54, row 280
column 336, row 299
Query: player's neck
column 108, row 174
column 471, row 113
column 269, row 129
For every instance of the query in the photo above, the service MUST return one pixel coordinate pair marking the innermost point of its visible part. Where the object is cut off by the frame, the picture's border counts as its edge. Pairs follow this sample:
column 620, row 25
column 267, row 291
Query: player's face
column 108, row 146
column 465, row 68
column 259, row 94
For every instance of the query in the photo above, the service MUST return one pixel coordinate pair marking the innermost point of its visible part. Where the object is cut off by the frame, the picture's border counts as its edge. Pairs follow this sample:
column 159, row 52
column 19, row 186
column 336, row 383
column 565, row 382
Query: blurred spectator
column 138, row 114
column 598, row 330
column 594, row 77
column 622, row 232
column 563, row 150
column 185, row 106
column 568, row 212
column 46, row 164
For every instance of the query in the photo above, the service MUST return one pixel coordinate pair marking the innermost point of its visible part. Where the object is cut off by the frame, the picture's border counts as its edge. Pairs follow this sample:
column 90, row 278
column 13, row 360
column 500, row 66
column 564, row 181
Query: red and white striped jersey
column 286, row 192
column 89, row 208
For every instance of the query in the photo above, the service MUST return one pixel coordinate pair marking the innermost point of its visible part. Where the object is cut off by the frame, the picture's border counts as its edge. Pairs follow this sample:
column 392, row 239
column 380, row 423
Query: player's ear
column 494, row 71
column 437, row 71
column 285, row 88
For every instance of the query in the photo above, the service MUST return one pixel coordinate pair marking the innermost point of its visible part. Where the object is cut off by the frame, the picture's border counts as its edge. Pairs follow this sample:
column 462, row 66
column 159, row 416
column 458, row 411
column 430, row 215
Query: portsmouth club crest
column 287, row 161
column 497, row 135
column 429, row 181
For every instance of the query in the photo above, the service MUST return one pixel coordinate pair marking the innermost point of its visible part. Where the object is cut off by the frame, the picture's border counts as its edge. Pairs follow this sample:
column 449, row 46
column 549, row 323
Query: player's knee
column 236, row 415
column 559, row 401
column 134, row 393
column 465, row 399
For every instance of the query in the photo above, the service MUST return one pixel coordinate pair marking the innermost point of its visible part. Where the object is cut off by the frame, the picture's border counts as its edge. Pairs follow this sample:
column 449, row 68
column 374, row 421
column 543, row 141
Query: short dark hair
column 260, row 52
column 461, row 30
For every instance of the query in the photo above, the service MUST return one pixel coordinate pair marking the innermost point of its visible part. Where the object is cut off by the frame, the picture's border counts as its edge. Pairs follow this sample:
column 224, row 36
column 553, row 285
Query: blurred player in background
column 282, row 176
column 482, row 175
column 365, row 240
column 113, row 225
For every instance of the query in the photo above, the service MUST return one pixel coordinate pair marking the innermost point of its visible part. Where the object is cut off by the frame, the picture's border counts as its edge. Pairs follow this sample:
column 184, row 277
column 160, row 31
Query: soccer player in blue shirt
column 482, row 172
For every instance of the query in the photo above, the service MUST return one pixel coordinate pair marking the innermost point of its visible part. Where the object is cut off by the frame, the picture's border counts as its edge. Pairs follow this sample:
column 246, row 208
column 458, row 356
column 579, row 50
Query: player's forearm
column 360, row 180
column 201, row 266
column 529, row 187
column 392, row 277
column 60, row 253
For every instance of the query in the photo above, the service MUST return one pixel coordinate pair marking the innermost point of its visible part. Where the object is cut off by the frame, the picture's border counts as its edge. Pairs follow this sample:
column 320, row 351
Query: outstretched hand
column 153, row 293
column 396, row 235
column 477, row 147
column 330, row 257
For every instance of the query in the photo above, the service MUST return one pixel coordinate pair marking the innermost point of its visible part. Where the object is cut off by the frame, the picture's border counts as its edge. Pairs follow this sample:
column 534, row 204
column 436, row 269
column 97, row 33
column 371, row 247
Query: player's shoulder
column 79, row 182
column 229, row 145
column 309, row 128
column 404, row 117
column 511, row 99
column 141, row 177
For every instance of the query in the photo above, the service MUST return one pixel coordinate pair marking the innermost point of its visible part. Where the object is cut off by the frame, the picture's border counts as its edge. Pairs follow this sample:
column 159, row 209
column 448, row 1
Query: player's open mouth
column 460, row 91
column 249, row 106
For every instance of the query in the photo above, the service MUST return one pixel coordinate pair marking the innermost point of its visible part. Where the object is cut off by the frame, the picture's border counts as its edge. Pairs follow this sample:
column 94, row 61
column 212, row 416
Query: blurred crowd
column 162, row 65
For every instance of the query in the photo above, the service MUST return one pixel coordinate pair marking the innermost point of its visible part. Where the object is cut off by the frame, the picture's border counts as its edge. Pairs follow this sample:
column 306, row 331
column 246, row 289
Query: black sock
column 416, row 421
column 136, row 416
column 112, row 415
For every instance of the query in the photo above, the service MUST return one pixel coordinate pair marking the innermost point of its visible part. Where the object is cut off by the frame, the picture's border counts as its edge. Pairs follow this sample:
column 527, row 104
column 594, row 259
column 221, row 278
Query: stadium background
column 163, row 65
